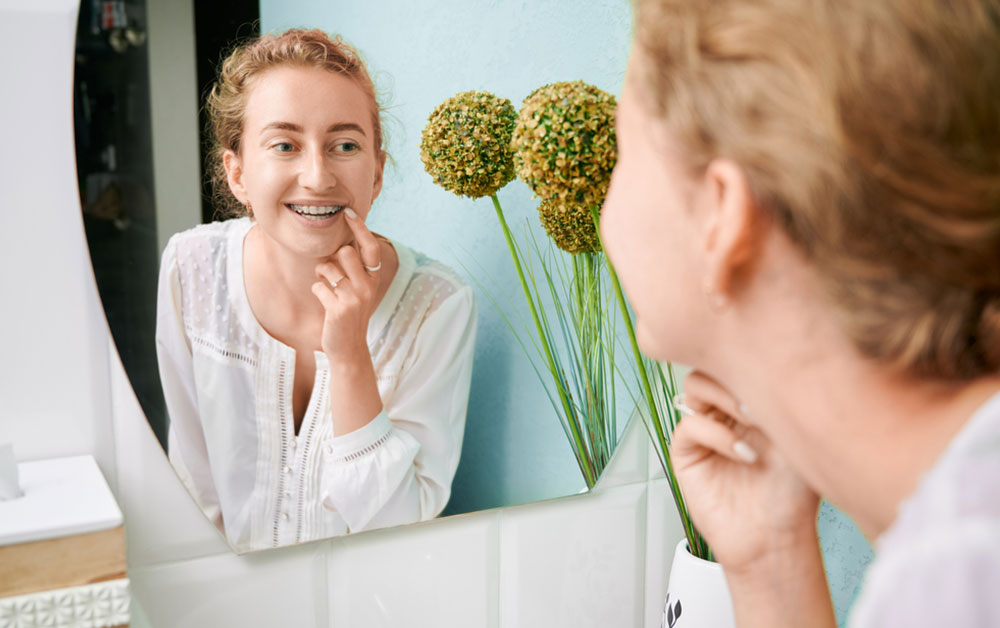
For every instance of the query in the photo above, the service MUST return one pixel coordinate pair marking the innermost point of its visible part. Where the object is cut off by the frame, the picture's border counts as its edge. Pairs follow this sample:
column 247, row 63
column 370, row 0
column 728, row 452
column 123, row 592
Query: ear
column 234, row 175
column 379, row 171
column 732, row 229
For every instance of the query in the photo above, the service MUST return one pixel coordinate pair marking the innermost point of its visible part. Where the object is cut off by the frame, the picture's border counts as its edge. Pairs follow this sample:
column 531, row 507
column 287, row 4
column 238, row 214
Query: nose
column 317, row 171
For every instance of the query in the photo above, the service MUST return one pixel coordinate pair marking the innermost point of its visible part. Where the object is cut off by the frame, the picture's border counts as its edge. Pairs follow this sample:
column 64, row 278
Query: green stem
column 689, row 531
column 588, row 323
column 543, row 339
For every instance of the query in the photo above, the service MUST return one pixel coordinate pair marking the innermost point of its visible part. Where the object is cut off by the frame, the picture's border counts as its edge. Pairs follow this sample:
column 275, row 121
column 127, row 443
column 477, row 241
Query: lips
column 315, row 212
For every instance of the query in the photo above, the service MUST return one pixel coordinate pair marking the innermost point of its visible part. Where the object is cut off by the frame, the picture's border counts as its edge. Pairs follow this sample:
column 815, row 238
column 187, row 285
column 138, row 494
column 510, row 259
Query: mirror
column 141, row 67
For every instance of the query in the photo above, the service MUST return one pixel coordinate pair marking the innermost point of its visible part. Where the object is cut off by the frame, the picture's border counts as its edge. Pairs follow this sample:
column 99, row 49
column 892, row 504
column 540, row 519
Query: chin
column 665, row 344
column 651, row 346
column 316, row 244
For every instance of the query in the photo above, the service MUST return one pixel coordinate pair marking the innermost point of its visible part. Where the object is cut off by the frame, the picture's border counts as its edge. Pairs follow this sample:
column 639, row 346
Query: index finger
column 368, row 246
column 703, row 394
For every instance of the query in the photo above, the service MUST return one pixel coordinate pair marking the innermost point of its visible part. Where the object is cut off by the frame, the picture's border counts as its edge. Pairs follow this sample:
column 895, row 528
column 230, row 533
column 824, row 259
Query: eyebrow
column 333, row 128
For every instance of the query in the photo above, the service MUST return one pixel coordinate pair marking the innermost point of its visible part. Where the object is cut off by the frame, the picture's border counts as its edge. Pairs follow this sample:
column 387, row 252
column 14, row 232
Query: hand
column 743, row 496
column 349, row 292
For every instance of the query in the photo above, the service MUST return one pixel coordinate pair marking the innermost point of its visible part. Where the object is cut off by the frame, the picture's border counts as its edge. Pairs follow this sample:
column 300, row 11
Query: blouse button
column 288, row 494
column 288, row 469
column 285, row 516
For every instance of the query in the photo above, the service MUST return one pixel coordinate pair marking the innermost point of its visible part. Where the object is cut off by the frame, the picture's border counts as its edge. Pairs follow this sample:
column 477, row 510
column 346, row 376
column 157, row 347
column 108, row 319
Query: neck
column 860, row 435
column 282, row 274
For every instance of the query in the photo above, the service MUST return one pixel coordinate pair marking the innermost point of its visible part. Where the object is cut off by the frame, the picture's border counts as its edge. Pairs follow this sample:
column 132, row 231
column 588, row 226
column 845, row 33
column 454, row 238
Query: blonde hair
column 226, row 103
column 870, row 131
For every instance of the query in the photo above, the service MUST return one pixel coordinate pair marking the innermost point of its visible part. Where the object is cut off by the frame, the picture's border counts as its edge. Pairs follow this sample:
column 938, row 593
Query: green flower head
column 465, row 146
column 570, row 225
column 564, row 142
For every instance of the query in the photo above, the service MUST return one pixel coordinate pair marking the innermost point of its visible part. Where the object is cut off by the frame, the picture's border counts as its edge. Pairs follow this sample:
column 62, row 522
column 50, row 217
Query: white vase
column 698, row 595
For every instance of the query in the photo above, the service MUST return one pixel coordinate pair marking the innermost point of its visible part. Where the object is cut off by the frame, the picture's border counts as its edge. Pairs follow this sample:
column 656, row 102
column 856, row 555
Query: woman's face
column 649, row 231
column 307, row 152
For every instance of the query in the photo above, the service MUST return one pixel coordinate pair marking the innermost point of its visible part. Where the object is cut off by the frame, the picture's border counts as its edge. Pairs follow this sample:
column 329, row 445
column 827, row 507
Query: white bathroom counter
column 62, row 548
column 62, row 497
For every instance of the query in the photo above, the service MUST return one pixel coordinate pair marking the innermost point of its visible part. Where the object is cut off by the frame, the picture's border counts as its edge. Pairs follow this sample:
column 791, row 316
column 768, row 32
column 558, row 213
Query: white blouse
column 228, row 388
column 939, row 562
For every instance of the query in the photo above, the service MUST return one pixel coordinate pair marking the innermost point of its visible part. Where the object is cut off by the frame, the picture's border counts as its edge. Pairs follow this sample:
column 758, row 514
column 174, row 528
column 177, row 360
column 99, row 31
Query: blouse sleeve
column 185, row 440
column 399, row 468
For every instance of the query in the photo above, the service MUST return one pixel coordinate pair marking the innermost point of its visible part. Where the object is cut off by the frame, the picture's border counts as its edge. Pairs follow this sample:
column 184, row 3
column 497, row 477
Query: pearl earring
column 716, row 300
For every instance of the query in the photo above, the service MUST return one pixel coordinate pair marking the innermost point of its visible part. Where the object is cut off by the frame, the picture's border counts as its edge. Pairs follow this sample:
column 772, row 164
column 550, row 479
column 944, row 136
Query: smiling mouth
column 315, row 212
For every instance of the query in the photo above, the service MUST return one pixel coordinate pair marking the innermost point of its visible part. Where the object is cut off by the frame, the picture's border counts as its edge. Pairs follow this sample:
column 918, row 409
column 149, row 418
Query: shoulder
column 963, row 485
column 432, row 280
column 196, row 269
column 204, row 242
column 935, row 576
column 433, row 301
column 940, row 559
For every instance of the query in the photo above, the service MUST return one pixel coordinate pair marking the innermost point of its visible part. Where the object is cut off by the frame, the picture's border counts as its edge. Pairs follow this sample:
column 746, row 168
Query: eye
column 347, row 147
column 283, row 147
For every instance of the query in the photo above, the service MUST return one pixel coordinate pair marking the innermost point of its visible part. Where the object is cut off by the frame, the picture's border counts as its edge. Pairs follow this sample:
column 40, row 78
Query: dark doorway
column 114, row 157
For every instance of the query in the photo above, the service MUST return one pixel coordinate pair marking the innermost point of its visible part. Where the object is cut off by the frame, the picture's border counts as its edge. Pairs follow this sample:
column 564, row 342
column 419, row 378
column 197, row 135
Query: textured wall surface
column 846, row 555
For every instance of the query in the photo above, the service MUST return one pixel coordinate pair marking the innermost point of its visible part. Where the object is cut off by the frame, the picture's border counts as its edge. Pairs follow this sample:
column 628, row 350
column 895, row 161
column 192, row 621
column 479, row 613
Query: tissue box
column 64, row 536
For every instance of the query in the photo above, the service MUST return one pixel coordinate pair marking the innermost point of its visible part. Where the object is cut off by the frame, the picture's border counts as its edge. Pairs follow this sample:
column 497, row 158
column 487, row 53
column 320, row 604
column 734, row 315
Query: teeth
column 316, row 210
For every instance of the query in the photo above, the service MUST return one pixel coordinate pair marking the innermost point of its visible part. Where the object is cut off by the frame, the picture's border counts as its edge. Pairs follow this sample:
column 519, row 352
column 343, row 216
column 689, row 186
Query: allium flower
column 570, row 225
column 465, row 146
column 564, row 142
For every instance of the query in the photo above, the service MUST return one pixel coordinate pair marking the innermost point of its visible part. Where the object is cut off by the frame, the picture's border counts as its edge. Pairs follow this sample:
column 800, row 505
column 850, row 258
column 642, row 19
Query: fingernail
column 680, row 405
column 745, row 452
column 350, row 213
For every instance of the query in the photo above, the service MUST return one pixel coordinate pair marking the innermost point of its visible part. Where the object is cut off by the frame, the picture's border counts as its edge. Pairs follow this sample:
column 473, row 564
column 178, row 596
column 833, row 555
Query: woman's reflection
column 316, row 374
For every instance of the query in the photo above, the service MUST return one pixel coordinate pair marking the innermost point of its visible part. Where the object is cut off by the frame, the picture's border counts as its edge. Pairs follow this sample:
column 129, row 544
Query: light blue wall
column 846, row 555
column 422, row 53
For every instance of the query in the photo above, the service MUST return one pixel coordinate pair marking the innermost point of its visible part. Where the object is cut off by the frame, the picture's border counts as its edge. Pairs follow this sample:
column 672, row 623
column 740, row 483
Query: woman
column 806, row 209
column 316, row 374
